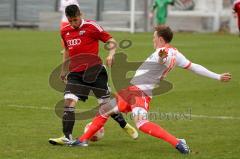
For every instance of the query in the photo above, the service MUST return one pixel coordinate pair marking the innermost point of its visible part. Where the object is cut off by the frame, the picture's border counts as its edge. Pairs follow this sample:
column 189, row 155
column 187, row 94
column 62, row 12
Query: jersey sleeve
column 63, row 41
column 104, row 36
column 182, row 61
column 154, row 6
column 100, row 33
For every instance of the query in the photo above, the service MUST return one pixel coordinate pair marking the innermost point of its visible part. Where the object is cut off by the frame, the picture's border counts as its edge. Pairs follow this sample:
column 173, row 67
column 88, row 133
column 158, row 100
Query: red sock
column 156, row 131
column 97, row 123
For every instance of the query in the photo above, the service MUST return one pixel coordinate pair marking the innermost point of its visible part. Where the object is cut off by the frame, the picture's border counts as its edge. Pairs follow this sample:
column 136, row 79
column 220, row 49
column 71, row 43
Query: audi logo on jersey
column 73, row 42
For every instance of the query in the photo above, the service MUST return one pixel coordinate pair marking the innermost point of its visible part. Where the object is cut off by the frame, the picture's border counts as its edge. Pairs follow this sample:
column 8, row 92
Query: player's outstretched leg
column 68, row 120
column 107, row 109
column 150, row 128
column 97, row 123
column 108, row 104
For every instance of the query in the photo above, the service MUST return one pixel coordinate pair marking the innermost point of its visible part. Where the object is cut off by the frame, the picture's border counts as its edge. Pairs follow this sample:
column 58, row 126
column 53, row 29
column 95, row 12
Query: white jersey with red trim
column 63, row 5
column 155, row 68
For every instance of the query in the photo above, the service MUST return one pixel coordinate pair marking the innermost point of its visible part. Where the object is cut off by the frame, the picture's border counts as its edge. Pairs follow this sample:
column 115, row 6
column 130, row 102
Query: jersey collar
column 83, row 21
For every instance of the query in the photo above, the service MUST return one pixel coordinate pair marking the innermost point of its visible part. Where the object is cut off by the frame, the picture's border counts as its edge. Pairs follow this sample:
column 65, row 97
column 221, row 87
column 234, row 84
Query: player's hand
column 109, row 60
column 63, row 75
column 150, row 15
column 234, row 14
column 225, row 77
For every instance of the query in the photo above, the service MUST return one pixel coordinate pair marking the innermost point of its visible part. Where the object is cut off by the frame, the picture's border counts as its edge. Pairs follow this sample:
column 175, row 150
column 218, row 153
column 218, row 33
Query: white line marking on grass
column 191, row 115
column 34, row 107
column 29, row 107
column 215, row 117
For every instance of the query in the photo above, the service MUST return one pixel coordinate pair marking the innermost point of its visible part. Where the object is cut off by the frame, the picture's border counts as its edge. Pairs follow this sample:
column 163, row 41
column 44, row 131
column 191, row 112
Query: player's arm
column 234, row 10
column 171, row 2
column 65, row 65
column 65, row 62
column 151, row 14
column 200, row 70
column 154, row 6
column 112, row 45
column 234, row 13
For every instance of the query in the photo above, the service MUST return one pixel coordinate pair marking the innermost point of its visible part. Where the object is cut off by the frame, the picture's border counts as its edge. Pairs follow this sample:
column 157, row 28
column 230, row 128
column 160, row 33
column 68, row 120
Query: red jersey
column 83, row 44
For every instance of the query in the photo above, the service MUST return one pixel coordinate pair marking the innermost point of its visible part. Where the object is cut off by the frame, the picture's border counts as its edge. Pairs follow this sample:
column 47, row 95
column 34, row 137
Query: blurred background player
column 64, row 21
column 63, row 4
column 136, row 98
column 236, row 9
column 160, row 8
column 81, row 40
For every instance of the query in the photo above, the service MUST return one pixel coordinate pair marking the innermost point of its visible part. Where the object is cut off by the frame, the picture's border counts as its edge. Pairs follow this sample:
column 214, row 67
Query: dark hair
column 165, row 32
column 72, row 11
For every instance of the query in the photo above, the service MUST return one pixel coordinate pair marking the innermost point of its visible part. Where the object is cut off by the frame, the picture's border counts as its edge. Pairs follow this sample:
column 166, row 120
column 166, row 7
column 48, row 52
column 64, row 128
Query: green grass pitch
column 27, row 118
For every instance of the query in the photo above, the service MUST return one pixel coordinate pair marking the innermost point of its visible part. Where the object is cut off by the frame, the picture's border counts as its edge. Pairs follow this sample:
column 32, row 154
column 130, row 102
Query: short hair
column 165, row 32
column 72, row 11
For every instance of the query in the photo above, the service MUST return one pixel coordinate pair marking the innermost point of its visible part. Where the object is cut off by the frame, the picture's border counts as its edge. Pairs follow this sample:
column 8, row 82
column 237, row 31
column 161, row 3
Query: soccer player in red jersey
column 136, row 98
column 236, row 9
column 83, row 70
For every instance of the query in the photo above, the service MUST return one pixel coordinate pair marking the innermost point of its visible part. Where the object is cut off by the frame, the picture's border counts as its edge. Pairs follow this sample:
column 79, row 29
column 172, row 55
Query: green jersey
column 161, row 7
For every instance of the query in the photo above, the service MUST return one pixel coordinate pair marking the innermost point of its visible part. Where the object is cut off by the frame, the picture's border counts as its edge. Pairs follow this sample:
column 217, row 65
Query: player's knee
column 108, row 107
column 140, row 122
column 140, row 116
column 102, row 101
column 70, row 100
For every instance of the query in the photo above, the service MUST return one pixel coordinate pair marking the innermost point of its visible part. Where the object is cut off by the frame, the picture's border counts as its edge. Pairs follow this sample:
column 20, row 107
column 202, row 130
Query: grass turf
column 28, row 57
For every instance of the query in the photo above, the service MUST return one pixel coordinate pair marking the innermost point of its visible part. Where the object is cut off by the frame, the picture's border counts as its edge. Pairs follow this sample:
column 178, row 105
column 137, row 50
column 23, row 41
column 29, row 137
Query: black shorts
column 94, row 79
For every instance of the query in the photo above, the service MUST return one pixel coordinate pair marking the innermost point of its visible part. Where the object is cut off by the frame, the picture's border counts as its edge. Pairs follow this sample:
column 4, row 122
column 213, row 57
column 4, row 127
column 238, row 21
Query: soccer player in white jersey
column 63, row 4
column 136, row 98
column 64, row 20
